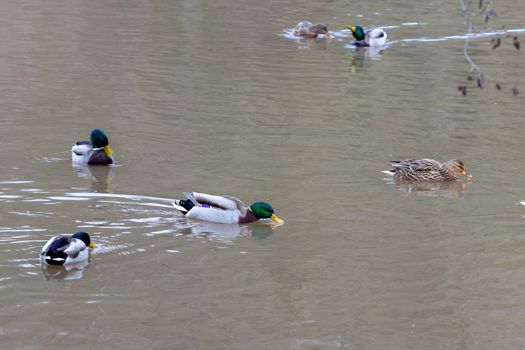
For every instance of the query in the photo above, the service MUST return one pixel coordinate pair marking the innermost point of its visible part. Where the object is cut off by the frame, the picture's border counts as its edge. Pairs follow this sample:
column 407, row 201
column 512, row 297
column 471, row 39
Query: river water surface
column 215, row 97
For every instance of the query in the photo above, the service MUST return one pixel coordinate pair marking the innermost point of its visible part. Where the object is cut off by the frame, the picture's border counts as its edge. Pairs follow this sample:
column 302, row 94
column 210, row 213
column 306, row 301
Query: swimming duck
column 223, row 209
column 94, row 152
column 306, row 29
column 66, row 249
column 427, row 170
column 372, row 37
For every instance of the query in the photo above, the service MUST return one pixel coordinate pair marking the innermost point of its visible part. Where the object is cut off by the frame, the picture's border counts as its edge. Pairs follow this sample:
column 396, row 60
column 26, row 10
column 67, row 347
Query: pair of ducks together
column 371, row 37
column 64, row 250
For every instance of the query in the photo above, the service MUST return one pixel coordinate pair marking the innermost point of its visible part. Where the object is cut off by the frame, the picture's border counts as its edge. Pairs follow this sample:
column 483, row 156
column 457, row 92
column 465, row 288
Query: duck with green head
column 66, row 249
column 223, row 209
column 94, row 152
column 372, row 37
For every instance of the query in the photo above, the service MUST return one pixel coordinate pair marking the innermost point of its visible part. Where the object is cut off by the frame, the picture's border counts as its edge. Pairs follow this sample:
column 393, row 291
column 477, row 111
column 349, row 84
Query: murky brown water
column 211, row 97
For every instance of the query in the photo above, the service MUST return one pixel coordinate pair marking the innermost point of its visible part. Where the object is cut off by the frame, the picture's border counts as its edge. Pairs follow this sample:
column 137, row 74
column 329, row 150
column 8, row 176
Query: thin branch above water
column 475, row 72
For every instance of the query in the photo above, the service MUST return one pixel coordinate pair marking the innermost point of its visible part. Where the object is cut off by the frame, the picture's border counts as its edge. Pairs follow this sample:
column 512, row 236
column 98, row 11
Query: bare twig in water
column 475, row 72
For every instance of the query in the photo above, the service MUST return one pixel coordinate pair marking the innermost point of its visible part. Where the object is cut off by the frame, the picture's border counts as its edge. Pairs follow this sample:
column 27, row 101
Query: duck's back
column 223, row 202
column 53, row 252
column 302, row 29
column 81, row 151
column 376, row 37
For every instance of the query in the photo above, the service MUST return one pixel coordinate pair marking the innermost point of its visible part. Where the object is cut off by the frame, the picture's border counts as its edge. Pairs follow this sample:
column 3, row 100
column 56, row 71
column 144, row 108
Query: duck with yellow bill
column 94, row 152
column 223, row 209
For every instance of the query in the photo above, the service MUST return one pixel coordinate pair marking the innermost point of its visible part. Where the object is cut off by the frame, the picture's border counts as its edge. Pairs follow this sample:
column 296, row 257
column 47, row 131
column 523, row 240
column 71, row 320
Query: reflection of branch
column 467, row 17
column 476, row 73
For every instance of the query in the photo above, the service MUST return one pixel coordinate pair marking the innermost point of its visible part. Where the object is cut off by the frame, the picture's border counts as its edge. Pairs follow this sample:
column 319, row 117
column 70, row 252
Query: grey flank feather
column 240, row 205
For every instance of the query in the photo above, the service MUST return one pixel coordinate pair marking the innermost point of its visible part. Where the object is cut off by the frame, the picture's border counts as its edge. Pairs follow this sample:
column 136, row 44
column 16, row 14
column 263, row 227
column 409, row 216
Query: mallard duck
column 372, row 37
column 427, row 170
column 66, row 249
column 94, row 152
column 306, row 29
column 223, row 209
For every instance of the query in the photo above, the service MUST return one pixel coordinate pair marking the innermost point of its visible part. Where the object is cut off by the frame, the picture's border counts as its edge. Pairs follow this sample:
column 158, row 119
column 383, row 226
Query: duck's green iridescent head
column 100, row 140
column 358, row 32
column 263, row 210
column 84, row 237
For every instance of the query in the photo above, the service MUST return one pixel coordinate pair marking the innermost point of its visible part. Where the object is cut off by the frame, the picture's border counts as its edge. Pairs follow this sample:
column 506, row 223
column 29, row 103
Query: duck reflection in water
column 364, row 53
column 369, row 53
column 100, row 176
column 447, row 189
column 229, row 232
column 313, row 43
column 65, row 272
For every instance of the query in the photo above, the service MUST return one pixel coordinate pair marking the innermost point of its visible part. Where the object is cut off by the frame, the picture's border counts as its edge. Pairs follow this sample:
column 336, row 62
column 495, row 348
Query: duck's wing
column 415, row 164
column 222, row 202
column 376, row 33
column 48, row 244
column 52, row 252
column 74, row 247
column 425, row 165
column 302, row 25
column 302, row 29
column 82, row 148
column 401, row 164
column 240, row 205
column 191, row 197
column 417, row 169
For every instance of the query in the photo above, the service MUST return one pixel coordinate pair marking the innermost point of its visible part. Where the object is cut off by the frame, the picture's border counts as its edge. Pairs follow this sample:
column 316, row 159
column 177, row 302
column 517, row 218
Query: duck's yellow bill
column 351, row 28
column 274, row 218
column 108, row 150
column 92, row 245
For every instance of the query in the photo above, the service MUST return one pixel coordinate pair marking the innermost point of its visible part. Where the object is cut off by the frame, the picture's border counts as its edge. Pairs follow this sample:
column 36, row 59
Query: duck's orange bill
column 274, row 218
column 468, row 176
